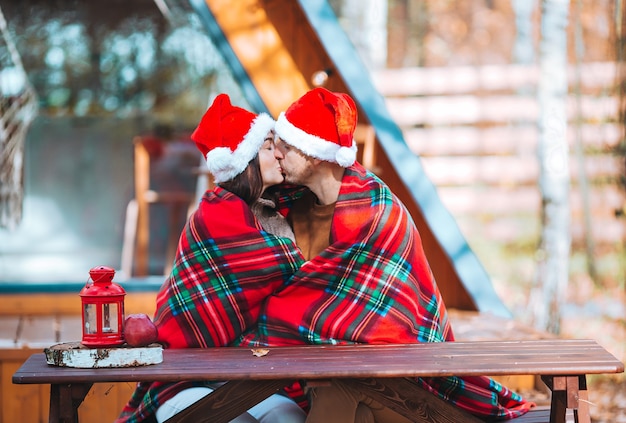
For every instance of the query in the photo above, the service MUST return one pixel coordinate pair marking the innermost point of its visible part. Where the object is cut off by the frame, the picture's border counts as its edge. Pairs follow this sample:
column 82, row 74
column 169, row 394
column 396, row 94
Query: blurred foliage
column 115, row 58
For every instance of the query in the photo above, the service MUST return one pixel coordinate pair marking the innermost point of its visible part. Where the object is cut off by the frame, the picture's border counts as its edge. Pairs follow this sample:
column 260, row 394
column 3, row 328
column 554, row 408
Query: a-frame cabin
column 273, row 48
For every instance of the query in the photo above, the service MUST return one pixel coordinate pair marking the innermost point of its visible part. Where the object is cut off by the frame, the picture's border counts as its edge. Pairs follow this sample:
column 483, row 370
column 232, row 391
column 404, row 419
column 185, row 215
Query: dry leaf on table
column 260, row 352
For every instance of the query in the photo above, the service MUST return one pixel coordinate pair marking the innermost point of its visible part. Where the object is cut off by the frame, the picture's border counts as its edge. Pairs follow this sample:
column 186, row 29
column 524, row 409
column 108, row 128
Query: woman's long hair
column 248, row 184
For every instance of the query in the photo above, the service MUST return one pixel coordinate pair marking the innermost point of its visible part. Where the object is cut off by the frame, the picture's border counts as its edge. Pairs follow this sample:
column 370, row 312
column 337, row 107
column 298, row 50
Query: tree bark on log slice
column 74, row 354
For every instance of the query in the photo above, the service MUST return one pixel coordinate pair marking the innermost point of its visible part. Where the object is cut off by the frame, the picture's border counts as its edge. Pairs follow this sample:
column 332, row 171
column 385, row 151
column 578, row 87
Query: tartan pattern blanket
column 373, row 284
column 224, row 269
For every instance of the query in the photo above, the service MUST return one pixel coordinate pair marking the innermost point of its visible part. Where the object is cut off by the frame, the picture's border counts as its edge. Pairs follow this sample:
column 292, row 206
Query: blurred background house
column 458, row 77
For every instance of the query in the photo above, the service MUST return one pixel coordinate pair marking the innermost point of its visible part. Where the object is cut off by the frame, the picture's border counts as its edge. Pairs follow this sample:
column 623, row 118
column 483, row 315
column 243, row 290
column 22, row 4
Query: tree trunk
column 366, row 22
column 524, row 50
column 554, row 175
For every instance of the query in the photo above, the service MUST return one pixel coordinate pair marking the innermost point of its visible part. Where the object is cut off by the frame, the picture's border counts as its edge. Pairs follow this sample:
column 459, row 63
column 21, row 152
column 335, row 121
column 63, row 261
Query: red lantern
column 103, row 309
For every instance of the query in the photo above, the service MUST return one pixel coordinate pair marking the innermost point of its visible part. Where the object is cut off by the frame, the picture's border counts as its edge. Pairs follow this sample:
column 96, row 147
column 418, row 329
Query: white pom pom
column 218, row 158
column 220, row 164
column 345, row 156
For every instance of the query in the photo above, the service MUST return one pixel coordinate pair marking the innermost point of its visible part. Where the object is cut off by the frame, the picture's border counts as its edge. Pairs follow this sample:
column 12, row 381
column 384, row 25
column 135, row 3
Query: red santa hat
column 230, row 137
column 321, row 124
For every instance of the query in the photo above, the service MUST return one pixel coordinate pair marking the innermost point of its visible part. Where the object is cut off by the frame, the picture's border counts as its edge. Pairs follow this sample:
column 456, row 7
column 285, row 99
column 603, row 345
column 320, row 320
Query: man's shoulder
column 360, row 179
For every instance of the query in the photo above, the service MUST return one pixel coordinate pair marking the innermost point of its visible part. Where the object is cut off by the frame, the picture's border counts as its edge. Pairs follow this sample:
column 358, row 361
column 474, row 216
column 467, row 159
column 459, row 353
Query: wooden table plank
column 563, row 364
column 544, row 357
column 229, row 401
column 410, row 400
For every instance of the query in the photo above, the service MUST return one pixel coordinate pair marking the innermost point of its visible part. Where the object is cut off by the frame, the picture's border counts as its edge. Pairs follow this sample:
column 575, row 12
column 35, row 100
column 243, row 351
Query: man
column 367, row 279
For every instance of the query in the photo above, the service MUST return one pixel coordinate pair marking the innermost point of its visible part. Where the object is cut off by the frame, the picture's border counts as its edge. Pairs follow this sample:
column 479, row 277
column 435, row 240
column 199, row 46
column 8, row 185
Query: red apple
column 139, row 330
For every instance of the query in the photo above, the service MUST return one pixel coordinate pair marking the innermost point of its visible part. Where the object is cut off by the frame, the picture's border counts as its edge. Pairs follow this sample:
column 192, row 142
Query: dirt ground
column 608, row 400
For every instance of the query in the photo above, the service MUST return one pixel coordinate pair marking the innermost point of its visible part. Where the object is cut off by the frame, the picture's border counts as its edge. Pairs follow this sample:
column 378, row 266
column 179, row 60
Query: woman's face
column 271, row 171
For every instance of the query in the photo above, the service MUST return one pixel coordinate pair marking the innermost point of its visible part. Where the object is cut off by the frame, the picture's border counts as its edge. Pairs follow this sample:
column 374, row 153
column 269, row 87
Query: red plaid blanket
column 225, row 267
column 373, row 284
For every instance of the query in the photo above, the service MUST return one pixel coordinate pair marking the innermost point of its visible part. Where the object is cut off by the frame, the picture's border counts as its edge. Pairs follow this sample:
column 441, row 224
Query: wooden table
column 380, row 371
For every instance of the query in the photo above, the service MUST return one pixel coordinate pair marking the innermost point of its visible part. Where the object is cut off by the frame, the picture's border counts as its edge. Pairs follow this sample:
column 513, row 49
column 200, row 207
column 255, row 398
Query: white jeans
column 275, row 409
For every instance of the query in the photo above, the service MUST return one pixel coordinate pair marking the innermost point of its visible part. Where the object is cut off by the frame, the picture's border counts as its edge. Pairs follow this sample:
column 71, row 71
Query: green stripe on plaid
column 225, row 267
column 373, row 284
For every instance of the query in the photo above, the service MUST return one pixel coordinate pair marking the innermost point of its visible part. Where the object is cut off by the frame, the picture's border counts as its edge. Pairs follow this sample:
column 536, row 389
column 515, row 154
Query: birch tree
column 524, row 49
column 554, row 176
column 365, row 21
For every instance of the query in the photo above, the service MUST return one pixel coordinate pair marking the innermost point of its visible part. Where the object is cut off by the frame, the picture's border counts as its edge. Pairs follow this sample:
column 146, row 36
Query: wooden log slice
column 75, row 354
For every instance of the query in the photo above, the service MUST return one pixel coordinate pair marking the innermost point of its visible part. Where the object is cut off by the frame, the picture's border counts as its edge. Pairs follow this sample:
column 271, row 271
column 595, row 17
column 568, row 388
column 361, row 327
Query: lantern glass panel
column 91, row 318
column 109, row 318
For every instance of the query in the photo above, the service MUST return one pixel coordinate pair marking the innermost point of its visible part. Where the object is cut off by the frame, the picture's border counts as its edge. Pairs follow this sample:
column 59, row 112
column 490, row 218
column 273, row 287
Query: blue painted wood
column 340, row 50
column 135, row 284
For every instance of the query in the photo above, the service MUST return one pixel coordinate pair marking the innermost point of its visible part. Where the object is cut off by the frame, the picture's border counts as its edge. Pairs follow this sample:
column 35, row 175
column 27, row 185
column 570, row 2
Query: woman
column 226, row 264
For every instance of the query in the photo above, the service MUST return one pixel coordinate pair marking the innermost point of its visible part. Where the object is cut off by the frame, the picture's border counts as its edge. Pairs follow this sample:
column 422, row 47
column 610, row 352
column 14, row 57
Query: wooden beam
column 254, row 39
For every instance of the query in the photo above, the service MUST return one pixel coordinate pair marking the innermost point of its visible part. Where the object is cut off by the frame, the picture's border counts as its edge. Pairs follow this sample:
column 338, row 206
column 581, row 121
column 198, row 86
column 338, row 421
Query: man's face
column 297, row 167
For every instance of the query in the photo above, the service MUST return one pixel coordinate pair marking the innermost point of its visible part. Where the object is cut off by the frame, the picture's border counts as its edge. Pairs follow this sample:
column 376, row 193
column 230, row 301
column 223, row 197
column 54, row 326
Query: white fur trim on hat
column 225, row 164
column 314, row 146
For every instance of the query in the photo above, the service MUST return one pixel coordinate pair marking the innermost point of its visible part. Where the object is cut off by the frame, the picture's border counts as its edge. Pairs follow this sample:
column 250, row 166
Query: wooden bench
column 379, row 371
